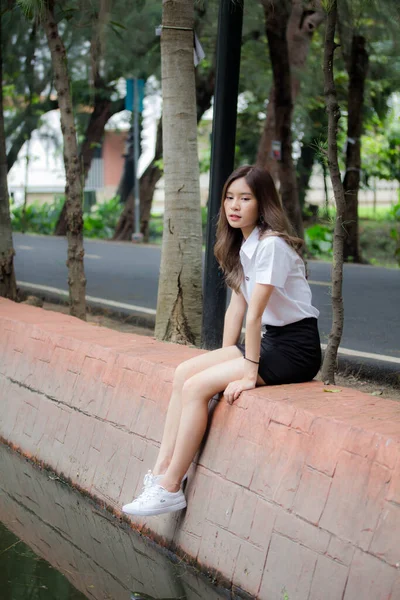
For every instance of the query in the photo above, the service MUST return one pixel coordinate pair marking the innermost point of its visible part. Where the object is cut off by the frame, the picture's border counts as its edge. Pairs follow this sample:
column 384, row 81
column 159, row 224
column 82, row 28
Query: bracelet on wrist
column 252, row 361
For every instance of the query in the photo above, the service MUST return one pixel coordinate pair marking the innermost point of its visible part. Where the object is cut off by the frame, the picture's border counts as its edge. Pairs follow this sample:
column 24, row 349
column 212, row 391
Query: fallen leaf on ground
column 331, row 391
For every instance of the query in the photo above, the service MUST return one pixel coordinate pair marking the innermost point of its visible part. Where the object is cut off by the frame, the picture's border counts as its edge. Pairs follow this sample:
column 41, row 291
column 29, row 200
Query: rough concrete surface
column 296, row 492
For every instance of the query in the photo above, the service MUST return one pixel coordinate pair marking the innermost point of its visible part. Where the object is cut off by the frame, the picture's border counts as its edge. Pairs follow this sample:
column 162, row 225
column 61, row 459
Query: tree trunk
column 276, row 20
column 73, row 189
column 8, row 287
column 303, row 21
column 103, row 110
column 335, row 336
column 351, row 183
column 304, row 170
column 326, row 193
column 147, row 183
column 179, row 304
column 204, row 92
column 102, row 104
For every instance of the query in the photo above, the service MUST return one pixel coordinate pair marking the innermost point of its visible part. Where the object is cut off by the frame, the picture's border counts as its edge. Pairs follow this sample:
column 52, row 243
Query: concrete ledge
column 99, row 559
column 297, row 490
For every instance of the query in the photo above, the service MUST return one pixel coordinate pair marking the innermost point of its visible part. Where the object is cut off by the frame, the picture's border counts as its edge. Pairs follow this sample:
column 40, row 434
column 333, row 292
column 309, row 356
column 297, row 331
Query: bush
column 156, row 228
column 319, row 239
column 101, row 220
column 38, row 218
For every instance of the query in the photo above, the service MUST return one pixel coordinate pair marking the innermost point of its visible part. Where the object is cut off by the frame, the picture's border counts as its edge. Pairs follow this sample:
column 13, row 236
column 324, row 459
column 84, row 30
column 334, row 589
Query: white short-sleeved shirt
column 272, row 261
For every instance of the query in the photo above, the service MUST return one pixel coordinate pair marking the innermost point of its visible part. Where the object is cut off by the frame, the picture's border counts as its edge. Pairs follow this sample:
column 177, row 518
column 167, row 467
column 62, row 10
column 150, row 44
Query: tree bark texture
column 179, row 304
column 335, row 336
column 304, row 170
column 276, row 22
column 8, row 287
column 303, row 21
column 73, row 189
column 102, row 111
column 357, row 75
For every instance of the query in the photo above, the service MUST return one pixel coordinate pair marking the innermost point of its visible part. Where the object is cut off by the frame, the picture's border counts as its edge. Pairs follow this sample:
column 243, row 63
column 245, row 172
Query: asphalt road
column 127, row 274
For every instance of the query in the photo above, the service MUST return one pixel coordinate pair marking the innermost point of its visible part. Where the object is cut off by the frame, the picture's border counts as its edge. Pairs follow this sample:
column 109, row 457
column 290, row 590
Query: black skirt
column 289, row 354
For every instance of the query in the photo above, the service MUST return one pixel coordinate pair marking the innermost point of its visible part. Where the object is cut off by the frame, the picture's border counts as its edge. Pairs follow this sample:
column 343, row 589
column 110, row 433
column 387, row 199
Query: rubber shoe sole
column 155, row 511
column 152, row 512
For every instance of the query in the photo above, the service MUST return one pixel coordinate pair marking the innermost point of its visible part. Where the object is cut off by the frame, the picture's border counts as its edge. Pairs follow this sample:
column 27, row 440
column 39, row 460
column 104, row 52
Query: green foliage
column 249, row 129
column 32, row 9
column 379, row 236
column 319, row 240
column 377, row 242
column 381, row 145
column 156, row 229
column 38, row 218
column 205, row 159
column 101, row 220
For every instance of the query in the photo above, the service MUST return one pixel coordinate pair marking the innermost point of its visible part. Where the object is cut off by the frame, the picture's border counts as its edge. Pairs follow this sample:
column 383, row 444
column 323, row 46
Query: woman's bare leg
column 193, row 422
column 183, row 372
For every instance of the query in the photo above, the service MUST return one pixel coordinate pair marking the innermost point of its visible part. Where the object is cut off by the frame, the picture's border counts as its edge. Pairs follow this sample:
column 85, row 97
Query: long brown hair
column 272, row 221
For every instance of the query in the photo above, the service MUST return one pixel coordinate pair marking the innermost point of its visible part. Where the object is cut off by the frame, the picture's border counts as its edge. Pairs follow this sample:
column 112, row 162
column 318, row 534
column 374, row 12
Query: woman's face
column 241, row 207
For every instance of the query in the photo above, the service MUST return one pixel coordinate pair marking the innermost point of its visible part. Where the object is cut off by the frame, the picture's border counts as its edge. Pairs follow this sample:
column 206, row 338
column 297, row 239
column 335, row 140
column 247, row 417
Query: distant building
column 44, row 177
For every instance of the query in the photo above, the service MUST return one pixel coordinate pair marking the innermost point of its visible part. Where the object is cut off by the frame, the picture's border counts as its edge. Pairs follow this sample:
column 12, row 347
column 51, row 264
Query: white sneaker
column 155, row 500
column 149, row 480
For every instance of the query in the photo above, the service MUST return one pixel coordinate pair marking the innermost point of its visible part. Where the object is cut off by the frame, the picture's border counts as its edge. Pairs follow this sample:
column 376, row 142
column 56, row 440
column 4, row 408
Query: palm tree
column 179, row 303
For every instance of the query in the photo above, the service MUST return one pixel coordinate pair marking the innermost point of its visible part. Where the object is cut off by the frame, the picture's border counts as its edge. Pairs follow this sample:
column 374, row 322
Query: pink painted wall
column 296, row 489
column 113, row 161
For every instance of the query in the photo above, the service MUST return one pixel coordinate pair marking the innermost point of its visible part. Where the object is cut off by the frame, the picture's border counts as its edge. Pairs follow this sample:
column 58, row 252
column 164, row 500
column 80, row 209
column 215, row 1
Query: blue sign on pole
column 130, row 93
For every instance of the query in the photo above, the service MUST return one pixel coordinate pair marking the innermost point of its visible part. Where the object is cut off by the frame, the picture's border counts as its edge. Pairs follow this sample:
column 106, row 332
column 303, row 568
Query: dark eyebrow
column 240, row 193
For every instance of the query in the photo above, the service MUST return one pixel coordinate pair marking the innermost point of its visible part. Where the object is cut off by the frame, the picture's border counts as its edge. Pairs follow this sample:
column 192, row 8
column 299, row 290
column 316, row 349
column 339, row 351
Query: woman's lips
column 234, row 217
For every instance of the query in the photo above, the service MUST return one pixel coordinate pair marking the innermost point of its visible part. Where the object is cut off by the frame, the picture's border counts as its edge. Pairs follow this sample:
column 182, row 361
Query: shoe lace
column 148, row 481
column 149, row 493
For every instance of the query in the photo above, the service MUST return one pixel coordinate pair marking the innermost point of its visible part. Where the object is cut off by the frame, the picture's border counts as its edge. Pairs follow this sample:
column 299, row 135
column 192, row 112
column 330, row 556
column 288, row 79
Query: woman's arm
column 259, row 300
column 234, row 319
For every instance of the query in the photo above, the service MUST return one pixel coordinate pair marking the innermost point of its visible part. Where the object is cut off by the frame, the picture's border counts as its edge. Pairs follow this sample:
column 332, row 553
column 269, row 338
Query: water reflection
column 94, row 554
column 24, row 575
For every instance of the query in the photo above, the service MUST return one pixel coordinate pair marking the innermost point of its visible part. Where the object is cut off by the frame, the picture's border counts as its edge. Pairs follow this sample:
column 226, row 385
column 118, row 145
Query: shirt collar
column 248, row 247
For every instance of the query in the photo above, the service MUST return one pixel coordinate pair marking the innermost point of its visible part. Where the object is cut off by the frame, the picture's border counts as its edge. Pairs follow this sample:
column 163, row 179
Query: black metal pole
column 229, row 42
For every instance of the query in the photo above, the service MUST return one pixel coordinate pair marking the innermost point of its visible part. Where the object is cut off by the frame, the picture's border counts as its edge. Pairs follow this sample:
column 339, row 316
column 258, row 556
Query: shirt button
column 247, row 278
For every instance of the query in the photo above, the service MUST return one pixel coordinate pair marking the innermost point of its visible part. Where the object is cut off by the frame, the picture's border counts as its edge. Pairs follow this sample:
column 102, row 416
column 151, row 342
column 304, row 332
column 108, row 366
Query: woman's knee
column 181, row 375
column 193, row 390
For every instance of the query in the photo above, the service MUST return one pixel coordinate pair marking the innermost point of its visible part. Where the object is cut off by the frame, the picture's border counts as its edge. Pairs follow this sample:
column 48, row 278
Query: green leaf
column 118, row 25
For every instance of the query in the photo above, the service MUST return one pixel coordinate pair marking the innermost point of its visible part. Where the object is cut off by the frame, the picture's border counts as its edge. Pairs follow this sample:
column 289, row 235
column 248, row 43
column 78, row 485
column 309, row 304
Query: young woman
column 262, row 266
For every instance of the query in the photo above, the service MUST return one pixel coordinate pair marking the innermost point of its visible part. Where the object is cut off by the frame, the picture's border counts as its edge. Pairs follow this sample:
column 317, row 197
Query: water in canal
column 57, row 545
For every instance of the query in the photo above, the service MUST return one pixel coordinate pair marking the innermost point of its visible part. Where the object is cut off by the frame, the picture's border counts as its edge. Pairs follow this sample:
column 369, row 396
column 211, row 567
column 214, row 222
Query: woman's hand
column 235, row 388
